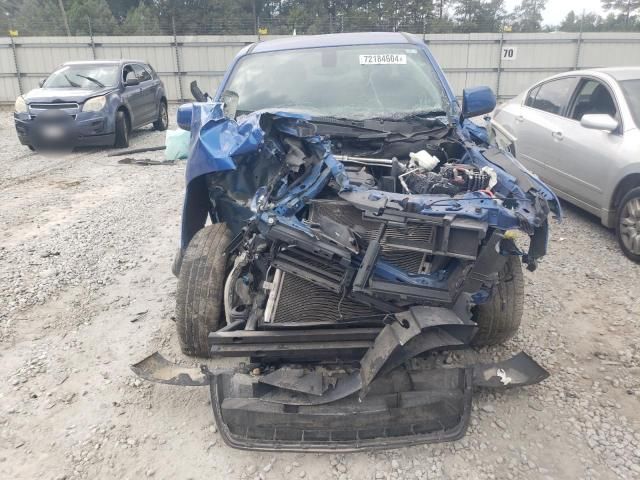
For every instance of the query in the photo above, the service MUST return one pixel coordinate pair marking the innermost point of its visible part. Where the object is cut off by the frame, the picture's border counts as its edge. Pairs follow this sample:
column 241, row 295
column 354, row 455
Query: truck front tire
column 499, row 318
column 199, row 298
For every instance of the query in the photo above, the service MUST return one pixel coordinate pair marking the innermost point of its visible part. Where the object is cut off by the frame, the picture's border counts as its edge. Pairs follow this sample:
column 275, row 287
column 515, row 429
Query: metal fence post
column 15, row 62
column 93, row 45
column 501, row 43
column 579, row 43
column 177, row 52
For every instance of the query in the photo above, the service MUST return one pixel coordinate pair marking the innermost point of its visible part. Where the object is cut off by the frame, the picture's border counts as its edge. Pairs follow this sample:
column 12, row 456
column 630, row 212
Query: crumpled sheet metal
column 216, row 139
column 217, row 142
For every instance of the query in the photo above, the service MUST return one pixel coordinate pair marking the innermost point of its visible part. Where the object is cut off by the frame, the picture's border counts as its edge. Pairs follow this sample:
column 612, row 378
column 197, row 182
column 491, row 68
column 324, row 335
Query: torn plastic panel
column 295, row 408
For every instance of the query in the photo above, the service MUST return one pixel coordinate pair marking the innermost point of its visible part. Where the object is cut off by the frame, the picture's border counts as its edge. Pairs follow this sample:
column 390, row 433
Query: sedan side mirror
column 132, row 81
column 477, row 101
column 599, row 121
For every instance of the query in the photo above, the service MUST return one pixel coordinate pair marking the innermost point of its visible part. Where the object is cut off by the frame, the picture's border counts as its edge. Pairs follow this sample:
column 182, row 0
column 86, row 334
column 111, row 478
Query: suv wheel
column 199, row 298
column 499, row 318
column 162, row 123
column 122, row 130
column 628, row 224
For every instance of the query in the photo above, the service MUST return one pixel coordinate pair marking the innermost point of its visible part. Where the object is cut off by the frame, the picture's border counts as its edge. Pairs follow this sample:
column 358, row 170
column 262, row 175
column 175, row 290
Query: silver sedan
column 579, row 132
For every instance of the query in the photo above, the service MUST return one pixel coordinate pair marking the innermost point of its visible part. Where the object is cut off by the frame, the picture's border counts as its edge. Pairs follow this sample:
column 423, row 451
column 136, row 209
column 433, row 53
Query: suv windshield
column 83, row 76
column 631, row 90
column 356, row 82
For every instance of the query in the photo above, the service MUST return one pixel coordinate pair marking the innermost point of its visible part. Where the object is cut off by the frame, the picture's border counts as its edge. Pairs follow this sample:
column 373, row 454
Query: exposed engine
column 450, row 180
column 424, row 177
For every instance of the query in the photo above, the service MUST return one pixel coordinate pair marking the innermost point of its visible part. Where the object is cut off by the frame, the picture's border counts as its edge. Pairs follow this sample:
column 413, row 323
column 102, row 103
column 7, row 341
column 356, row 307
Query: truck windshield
column 357, row 82
column 83, row 76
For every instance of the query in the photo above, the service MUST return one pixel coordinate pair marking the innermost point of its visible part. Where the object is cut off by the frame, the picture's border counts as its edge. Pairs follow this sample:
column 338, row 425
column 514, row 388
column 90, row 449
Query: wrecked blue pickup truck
column 360, row 226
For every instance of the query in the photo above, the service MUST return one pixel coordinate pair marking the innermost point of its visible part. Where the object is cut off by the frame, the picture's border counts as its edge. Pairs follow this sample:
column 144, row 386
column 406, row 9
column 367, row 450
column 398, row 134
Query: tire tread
column 499, row 319
column 199, row 302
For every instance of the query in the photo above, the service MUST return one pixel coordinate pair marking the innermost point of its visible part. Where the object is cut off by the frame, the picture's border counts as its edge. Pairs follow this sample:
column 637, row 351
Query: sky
column 557, row 9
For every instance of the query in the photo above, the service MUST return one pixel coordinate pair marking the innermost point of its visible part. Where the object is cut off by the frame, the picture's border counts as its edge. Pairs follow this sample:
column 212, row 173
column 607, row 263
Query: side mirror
column 477, row 101
column 599, row 121
column 41, row 82
column 132, row 81
column 185, row 114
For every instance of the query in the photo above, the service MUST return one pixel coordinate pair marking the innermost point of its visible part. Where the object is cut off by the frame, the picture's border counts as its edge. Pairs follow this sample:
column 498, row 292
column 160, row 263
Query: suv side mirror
column 41, row 82
column 599, row 121
column 132, row 81
column 477, row 101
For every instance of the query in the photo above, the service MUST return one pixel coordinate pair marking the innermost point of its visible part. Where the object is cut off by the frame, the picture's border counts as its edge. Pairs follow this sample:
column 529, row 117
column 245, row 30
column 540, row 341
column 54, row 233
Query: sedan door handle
column 520, row 118
column 557, row 135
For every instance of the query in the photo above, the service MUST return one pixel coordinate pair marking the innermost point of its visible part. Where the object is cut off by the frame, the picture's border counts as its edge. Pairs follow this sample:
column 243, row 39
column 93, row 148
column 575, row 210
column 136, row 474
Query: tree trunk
column 64, row 18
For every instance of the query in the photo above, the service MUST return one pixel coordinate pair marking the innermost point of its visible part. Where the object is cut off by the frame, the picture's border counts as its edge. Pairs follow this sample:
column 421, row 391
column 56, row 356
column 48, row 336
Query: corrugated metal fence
column 506, row 62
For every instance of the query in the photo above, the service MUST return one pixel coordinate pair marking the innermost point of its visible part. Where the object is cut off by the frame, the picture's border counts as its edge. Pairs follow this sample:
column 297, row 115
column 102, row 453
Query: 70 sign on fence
column 509, row 53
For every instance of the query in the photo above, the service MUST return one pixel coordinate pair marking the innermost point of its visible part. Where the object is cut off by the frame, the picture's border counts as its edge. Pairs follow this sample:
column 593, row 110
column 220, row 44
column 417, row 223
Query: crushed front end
column 348, row 275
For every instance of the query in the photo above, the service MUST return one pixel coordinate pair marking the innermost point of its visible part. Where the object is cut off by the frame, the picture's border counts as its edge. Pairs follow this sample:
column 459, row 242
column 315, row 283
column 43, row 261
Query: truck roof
column 104, row 62
column 334, row 40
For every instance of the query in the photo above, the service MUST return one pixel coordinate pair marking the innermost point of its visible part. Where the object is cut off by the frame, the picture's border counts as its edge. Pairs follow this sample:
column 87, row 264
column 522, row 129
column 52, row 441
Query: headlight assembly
column 94, row 104
column 21, row 105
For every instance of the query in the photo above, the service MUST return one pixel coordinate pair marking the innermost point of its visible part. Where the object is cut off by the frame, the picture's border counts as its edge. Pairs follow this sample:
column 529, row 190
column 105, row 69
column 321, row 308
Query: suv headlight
column 94, row 104
column 21, row 105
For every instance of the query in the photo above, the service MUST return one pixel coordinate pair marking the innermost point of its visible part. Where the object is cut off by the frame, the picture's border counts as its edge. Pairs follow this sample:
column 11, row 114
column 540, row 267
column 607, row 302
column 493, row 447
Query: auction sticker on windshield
column 384, row 59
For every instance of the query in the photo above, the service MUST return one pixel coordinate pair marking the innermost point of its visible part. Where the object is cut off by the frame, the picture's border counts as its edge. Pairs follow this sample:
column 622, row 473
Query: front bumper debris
column 298, row 408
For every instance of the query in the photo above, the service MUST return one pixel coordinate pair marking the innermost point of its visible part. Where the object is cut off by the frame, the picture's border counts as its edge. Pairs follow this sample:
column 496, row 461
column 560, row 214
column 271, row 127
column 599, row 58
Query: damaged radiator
column 299, row 302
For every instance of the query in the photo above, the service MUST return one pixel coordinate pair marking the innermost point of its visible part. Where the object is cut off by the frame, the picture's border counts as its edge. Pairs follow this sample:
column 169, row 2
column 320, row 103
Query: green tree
column 121, row 8
column 527, row 17
column 491, row 16
column 589, row 22
column 479, row 15
column 38, row 17
column 97, row 11
column 627, row 8
column 141, row 20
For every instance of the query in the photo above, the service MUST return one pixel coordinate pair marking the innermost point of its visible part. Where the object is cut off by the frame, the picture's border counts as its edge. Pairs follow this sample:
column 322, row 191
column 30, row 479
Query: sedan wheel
column 629, row 224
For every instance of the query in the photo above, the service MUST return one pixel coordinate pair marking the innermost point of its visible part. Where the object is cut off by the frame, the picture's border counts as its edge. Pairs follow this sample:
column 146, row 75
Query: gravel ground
column 86, row 289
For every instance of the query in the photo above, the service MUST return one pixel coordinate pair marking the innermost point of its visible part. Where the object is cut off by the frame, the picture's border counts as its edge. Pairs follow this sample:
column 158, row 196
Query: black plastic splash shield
column 403, row 408
column 411, row 404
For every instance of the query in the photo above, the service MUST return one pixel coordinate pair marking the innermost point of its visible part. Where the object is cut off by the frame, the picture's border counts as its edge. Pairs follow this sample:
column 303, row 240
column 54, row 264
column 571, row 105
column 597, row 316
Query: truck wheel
column 122, row 130
column 499, row 318
column 199, row 298
column 628, row 224
column 162, row 123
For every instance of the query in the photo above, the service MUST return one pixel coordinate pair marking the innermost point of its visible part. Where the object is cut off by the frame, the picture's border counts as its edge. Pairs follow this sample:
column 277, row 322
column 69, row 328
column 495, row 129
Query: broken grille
column 402, row 246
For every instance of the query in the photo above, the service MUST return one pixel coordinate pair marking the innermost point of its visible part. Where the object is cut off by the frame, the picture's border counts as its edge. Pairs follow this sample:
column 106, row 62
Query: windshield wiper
column 71, row 82
column 91, row 79
column 349, row 127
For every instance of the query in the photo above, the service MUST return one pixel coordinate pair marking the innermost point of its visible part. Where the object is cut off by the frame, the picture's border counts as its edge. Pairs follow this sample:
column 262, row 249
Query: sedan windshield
column 631, row 90
column 357, row 82
column 83, row 76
